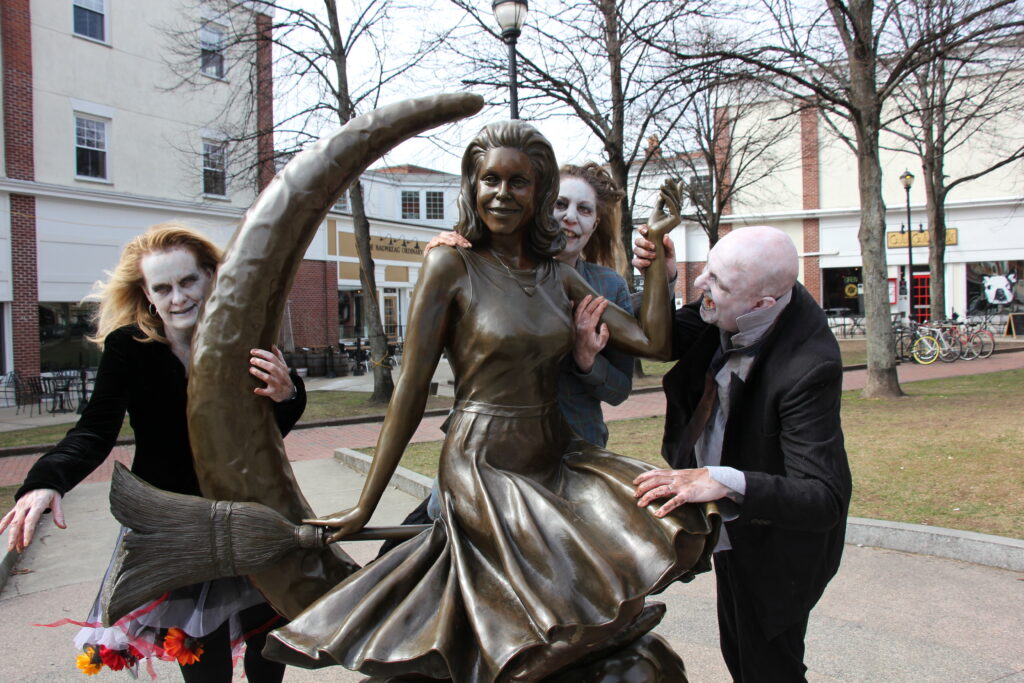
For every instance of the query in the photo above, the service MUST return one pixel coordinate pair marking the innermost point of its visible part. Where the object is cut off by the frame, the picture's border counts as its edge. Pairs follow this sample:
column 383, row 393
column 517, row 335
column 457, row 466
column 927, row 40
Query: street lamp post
column 907, row 179
column 511, row 15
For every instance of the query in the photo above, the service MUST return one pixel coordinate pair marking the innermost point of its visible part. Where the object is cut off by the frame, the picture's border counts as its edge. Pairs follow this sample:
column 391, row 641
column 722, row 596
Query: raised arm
column 652, row 337
column 430, row 317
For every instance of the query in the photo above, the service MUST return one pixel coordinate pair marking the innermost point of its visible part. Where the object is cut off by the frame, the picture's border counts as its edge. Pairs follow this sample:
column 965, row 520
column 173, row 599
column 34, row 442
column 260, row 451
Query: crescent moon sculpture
column 238, row 451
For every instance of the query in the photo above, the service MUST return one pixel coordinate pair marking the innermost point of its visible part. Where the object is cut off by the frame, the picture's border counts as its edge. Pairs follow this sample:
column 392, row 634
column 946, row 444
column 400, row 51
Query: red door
column 921, row 296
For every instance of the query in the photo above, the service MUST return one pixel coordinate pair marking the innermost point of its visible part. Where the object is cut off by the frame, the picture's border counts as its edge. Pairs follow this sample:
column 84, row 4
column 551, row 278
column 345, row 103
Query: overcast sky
column 442, row 151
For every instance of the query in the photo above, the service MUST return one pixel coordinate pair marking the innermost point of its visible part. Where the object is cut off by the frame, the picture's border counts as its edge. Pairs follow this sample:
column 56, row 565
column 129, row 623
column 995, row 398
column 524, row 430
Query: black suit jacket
column 148, row 381
column 784, row 433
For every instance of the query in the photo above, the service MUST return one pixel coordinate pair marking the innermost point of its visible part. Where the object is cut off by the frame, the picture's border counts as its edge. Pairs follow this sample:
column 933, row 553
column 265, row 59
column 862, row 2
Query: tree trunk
column 383, row 384
column 882, row 381
column 936, row 209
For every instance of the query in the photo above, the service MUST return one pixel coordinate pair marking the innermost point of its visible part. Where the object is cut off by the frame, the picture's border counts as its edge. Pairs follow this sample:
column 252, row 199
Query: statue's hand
column 665, row 215
column 347, row 522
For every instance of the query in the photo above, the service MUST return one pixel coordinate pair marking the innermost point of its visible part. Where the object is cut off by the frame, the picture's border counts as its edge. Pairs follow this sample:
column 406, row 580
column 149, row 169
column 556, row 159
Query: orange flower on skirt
column 89, row 661
column 182, row 646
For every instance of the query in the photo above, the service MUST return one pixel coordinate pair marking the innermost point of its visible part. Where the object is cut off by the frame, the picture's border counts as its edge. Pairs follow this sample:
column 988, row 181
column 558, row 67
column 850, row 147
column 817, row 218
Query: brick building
column 814, row 198
column 96, row 148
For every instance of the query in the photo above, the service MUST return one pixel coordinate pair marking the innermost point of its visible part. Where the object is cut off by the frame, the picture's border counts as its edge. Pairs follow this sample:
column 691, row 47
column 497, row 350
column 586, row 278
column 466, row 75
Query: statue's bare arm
column 652, row 337
column 430, row 316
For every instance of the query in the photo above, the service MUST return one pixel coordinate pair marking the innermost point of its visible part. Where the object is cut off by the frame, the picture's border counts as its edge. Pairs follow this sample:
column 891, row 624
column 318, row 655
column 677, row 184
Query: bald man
column 753, row 423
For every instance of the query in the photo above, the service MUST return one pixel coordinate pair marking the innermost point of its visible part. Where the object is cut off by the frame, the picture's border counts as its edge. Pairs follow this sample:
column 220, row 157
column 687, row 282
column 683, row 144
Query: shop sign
column 898, row 240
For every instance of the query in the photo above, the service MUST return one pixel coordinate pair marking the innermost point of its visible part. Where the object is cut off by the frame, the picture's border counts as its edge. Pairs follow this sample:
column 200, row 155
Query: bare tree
column 970, row 95
column 314, row 48
column 727, row 142
column 593, row 59
column 844, row 58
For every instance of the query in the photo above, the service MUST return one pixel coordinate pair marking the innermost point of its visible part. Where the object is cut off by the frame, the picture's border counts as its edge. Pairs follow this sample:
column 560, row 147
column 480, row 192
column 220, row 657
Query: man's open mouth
column 708, row 302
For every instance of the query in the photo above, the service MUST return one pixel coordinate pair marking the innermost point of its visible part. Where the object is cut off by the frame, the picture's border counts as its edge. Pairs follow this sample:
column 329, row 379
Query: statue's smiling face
column 505, row 190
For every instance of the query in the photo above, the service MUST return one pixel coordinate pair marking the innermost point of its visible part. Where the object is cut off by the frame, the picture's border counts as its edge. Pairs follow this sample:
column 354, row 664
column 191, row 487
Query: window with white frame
column 342, row 203
column 211, row 47
column 410, row 204
column 435, row 206
column 90, row 18
column 215, row 180
column 90, row 147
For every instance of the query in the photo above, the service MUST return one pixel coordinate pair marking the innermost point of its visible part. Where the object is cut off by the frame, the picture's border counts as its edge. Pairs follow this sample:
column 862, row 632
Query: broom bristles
column 175, row 540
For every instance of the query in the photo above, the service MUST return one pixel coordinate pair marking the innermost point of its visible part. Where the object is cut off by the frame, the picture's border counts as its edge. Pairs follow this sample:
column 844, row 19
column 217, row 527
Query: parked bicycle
column 950, row 347
column 912, row 344
column 980, row 326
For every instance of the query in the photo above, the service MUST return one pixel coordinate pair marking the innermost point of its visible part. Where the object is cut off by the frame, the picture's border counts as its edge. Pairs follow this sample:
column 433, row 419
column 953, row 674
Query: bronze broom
column 175, row 540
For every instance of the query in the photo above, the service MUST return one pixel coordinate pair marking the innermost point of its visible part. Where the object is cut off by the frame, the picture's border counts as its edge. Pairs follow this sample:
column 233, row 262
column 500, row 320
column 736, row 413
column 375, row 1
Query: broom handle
column 385, row 533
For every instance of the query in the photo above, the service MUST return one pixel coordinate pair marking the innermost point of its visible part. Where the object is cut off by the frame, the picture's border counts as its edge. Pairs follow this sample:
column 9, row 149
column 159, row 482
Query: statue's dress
column 540, row 543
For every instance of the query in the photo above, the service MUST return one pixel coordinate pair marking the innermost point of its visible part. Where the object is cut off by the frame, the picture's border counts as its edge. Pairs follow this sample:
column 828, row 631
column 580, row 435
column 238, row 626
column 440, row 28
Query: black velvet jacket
column 148, row 381
column 784, row 433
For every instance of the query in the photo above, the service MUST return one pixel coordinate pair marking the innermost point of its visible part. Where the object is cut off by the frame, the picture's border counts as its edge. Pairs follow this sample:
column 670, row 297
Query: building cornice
column 854, row 210
column 116, row 198
column 38, row 189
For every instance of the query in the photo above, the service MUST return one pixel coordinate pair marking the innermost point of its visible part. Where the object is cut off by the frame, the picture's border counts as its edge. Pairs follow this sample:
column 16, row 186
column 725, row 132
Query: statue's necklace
column 528, row 290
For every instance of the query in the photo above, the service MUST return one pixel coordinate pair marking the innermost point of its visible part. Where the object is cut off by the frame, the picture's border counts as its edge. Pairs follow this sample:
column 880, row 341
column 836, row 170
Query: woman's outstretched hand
column 269, row 367
column 24, row 517
column 347, row 522
column 448, row 239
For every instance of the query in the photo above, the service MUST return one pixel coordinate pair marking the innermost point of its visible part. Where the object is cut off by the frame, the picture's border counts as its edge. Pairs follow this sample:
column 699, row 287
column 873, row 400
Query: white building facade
column 815, row 200
column 96, row 147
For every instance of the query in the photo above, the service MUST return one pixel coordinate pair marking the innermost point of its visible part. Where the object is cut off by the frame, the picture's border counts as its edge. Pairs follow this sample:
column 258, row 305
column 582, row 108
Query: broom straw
column 174, row 540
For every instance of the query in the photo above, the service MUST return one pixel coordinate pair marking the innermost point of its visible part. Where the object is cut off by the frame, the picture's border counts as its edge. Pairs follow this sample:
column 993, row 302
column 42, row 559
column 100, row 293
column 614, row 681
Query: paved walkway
column 888, row 616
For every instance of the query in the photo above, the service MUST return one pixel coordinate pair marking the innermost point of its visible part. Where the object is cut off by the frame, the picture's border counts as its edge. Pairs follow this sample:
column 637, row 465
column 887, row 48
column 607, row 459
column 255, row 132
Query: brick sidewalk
column 320, row 442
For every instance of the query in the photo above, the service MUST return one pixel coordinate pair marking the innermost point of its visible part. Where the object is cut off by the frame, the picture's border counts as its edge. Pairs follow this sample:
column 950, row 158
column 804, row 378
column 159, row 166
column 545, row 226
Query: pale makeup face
column 176, row 286
column 576, row 213
column 725, row 295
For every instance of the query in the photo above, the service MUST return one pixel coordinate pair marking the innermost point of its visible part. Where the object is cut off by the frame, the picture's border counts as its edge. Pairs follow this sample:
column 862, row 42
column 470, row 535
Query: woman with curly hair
column 148, row 312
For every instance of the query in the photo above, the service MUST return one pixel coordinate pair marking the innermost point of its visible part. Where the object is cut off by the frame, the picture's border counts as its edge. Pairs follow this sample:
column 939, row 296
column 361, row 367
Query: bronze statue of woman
column 540, row 555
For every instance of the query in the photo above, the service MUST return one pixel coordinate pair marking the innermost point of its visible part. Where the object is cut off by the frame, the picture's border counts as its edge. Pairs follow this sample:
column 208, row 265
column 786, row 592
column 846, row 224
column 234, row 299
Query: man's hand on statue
column 643, row 253
column 269, row 367
column 591, row 333
column 679, row 486
column 448, row 239
column 347, row 522
column 24, row 517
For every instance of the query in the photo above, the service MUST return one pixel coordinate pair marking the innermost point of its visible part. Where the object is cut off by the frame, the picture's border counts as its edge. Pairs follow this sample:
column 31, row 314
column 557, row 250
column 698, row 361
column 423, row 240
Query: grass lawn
column 947, row 455
column 320, row 405
column 7, row 501
column 854, row 352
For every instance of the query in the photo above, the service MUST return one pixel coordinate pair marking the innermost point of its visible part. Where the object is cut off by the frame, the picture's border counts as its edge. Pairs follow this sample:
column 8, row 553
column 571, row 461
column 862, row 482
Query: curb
column 967, row 546
column 404, row 479
column 7, row 566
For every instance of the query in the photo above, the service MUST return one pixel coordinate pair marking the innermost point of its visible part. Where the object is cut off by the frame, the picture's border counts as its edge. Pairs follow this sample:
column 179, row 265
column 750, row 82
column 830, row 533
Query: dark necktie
column 706, row 406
